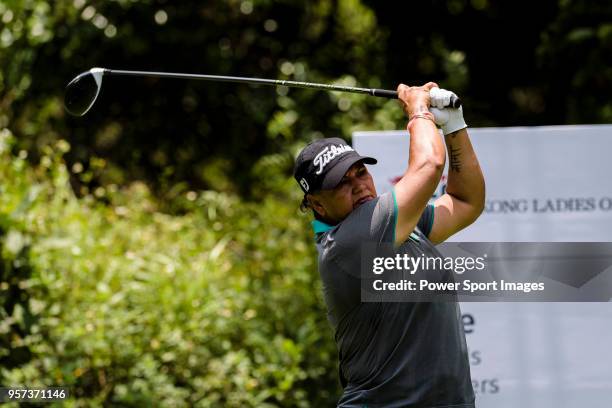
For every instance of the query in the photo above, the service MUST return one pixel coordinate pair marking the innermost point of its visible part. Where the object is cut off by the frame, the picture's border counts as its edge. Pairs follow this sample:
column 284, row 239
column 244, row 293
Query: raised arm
column 464, row 199
column 426, row 160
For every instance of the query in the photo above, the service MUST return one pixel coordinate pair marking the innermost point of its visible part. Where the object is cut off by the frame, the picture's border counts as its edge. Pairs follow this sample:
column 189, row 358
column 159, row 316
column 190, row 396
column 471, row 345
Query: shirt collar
column 320, row 227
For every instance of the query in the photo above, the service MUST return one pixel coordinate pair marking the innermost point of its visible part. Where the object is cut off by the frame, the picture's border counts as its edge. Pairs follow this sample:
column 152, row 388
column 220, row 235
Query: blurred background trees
column 548, row 66
column 95, row 211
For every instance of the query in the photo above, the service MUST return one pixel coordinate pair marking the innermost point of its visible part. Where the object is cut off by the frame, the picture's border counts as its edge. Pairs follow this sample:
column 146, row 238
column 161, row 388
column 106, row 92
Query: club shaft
column 384, row 93
column 258, row 81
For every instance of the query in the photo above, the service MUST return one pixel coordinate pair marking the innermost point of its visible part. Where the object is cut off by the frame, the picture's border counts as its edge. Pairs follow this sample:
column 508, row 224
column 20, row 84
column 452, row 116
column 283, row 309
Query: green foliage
column 128, row 306
column 576, row 51
column 539, row 68
column 157, row 256
column 170, row 132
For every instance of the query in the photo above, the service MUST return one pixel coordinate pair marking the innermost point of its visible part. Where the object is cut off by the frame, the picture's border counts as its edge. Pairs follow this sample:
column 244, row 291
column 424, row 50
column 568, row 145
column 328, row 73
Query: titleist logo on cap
column 328, row 154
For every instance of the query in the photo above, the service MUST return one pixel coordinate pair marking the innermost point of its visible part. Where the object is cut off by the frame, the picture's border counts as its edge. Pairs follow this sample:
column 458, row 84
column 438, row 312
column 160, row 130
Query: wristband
column 427, row 115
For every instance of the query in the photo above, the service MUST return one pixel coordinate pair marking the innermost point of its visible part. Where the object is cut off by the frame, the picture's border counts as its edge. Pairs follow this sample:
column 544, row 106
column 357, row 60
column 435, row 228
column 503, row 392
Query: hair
column 305, row 206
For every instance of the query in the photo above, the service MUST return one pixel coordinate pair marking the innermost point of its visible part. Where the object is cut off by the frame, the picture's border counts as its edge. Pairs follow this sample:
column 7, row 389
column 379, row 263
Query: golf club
column 82, row 91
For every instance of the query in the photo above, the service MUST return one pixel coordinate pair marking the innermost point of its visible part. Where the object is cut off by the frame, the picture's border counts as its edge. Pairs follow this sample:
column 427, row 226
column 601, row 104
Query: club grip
column 455, row 102
column 384, row 93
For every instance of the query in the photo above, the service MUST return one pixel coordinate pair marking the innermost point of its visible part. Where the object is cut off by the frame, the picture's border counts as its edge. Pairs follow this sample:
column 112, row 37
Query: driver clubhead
column 82, row 91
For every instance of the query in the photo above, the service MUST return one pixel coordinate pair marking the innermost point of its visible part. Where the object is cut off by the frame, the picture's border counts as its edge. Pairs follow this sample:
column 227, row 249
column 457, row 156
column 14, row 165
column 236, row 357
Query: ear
column 316, row 204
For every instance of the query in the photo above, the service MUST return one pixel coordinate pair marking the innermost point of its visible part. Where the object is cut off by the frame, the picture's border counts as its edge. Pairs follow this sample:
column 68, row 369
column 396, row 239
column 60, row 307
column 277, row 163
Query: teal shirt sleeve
column 426, row 222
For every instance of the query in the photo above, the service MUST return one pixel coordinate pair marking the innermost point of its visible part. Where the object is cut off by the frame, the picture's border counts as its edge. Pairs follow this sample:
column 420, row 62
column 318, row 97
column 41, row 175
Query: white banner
column 544, row 184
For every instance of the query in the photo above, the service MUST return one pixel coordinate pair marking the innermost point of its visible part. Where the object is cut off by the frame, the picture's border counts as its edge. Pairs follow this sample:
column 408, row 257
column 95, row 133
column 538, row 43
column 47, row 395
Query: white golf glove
column 449, row 119
column 440, row 98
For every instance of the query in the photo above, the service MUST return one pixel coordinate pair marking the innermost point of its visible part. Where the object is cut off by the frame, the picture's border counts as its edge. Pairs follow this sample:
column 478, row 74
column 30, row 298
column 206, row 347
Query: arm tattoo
column 455, row 161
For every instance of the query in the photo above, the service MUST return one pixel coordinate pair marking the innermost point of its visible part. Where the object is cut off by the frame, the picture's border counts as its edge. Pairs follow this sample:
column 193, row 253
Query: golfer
column 394, row 354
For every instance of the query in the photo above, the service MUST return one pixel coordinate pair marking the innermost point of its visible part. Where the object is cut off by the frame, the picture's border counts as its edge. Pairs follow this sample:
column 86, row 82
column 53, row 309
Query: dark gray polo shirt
column 392, row 354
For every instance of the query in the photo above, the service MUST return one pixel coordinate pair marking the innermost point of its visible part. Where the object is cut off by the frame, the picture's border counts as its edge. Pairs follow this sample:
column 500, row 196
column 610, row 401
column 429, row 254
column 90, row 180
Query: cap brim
column 334, row 175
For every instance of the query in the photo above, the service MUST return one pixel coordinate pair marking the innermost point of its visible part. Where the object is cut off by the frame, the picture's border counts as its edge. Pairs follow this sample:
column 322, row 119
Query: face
column 355, row 188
